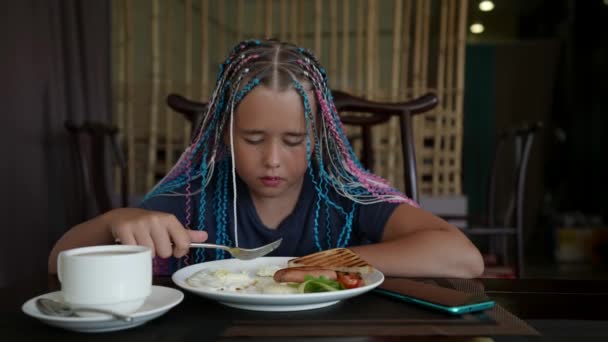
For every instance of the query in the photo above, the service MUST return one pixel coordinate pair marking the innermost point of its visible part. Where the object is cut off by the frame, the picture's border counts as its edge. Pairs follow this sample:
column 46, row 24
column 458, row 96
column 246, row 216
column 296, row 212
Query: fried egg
column 267, row 271
column 255, row 281
column 278, row 288
column 221, row 280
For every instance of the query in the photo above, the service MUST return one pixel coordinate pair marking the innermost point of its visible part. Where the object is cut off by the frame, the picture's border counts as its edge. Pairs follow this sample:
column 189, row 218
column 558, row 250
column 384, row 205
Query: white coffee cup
column 111, row 277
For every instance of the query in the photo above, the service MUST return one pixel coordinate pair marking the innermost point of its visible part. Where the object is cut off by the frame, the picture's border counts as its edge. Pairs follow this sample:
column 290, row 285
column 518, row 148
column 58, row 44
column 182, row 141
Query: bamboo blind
column 388, row 50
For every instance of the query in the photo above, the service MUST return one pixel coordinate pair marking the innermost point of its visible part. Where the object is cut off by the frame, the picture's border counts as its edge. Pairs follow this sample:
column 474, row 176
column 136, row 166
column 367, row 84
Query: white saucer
column 161, row 300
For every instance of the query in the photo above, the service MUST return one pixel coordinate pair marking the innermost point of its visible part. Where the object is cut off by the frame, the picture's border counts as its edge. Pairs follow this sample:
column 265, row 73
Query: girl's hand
column 161, row 232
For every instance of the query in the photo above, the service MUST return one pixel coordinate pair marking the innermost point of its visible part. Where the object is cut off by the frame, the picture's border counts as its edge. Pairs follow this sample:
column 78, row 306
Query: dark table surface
column 560, row 310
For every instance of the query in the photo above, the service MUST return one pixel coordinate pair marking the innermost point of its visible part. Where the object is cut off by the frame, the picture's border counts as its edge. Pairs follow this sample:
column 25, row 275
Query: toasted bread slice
column 337, row 259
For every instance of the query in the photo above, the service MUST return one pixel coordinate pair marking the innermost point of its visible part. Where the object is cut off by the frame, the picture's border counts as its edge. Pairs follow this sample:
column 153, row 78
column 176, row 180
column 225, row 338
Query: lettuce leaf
column 319, row 284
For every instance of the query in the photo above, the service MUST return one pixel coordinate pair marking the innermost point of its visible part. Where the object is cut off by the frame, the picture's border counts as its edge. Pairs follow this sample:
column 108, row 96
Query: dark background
column 541, row 60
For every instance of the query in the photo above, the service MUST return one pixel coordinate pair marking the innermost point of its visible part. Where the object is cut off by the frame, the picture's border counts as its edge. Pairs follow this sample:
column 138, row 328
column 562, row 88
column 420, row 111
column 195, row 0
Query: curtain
column 55, row 65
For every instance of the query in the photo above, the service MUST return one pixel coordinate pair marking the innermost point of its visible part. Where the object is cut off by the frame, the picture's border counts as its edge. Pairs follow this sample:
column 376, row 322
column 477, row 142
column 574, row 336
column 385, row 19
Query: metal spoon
column 236, row 252
column 54, row 308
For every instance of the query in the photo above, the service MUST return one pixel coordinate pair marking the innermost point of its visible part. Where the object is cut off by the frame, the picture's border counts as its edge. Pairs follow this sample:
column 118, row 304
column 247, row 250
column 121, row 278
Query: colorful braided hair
column 331, row 165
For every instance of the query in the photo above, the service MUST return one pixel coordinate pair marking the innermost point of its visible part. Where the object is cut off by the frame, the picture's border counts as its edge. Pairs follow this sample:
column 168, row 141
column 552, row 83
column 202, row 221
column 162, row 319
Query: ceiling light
column 487, row 5
column 476, row 28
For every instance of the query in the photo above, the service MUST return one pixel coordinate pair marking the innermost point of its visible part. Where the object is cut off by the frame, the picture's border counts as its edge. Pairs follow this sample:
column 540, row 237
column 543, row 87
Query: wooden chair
column 346, row 104
column 510, row 165
column 191, row 110
column 89, row 144
column 379, row 113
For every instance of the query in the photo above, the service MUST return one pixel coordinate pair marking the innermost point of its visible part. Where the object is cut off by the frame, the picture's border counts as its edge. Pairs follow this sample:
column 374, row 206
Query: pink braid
column 363, row 176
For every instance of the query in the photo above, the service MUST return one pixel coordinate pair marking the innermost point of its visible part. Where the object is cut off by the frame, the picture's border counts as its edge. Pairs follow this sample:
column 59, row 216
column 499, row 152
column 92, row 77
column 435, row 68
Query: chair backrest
column 89, row 144
column 191, row 110
column 520, row 139
column 346, row 104
column 381, row 112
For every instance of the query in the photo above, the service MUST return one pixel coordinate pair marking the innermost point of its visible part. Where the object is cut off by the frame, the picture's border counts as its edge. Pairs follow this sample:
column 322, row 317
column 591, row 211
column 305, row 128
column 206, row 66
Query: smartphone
column 434, row 297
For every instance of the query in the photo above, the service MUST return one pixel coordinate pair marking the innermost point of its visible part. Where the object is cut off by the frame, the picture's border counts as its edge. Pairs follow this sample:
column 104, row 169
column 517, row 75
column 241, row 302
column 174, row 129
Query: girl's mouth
column 271, row 181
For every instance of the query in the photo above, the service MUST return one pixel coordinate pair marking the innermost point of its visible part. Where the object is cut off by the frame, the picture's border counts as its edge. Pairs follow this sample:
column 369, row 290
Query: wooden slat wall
column 461, row 29
column 393, row 128
column 187, row 66
column 318, row 27
column 440, row 113
column 168, row 76
column 363, row 54
column 129, row 96
column 333, row 43
column 155, row 94
column 346, row 12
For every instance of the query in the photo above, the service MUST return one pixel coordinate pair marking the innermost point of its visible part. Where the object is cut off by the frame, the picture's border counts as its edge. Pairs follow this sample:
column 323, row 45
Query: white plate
column 268, row 302
column 161, row 300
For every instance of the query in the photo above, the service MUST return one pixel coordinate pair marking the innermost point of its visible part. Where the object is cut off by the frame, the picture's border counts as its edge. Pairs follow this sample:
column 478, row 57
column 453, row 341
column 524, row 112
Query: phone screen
column 432, row 293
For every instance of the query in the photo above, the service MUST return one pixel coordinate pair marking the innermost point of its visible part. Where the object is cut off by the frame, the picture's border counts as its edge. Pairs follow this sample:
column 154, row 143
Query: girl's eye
column 253, row 141
column 294, row 142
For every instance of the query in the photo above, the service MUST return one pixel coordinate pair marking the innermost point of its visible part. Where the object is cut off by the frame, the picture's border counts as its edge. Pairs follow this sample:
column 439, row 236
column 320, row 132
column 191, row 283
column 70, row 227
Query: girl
column 270, row 159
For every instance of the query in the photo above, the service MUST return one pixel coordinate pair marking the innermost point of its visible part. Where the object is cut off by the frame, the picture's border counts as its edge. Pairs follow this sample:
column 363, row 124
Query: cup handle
column 59, row 267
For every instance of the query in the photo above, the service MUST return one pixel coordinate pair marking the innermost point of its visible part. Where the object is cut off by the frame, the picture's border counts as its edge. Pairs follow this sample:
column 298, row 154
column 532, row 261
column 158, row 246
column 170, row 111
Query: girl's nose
column 271, row 156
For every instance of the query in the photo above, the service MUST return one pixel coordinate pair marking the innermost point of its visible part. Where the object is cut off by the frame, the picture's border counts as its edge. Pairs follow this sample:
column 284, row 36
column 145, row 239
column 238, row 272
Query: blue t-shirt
column 297, row 229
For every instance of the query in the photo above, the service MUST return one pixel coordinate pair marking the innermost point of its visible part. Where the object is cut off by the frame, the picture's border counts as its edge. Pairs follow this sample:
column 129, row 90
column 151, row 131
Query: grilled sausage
column 296, row 274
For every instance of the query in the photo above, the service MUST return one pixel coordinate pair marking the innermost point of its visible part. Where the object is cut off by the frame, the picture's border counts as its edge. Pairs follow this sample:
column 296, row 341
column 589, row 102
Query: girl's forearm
column 431, row 253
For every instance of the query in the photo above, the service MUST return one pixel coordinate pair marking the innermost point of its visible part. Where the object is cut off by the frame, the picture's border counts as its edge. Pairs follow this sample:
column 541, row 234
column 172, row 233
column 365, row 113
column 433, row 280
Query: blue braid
column 316, row 219
column 327, row 217
column 326, row 91
column 308, row 116
column 220, row 218
column 223, row 236
column 319, row 185
column 167, row 187
column 246, row 89
column 221, row 193
column 199, row 255
column 221, row 208
column 220, row 224
column 343, row 136
column 346, row 231
column 227, row 174
column 309, row 120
